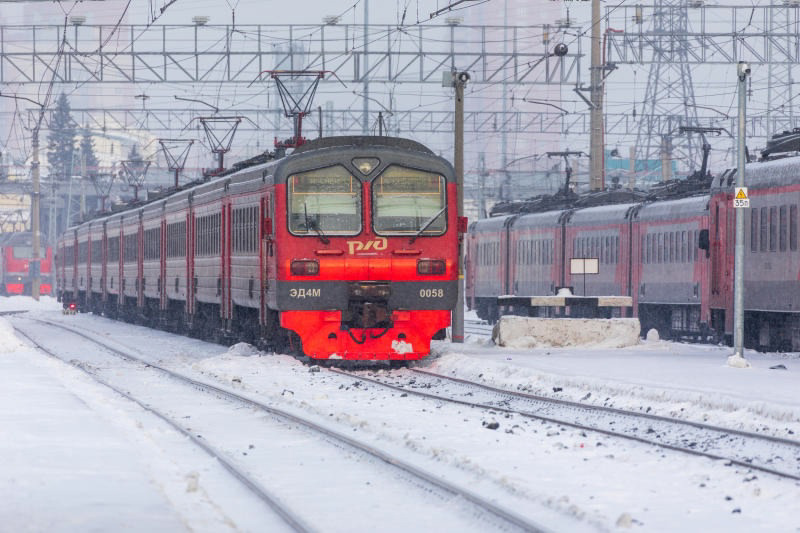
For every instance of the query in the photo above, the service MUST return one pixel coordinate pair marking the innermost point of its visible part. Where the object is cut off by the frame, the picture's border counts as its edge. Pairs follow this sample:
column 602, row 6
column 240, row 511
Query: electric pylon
column 669, row 101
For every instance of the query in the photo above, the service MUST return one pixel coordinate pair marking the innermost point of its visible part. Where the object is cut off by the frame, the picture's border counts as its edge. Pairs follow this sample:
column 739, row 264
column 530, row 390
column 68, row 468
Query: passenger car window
column 408, row 201
column 325, row 201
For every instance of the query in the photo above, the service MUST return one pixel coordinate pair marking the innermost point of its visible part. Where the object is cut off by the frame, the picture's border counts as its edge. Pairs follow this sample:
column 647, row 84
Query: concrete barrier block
column 523, row 332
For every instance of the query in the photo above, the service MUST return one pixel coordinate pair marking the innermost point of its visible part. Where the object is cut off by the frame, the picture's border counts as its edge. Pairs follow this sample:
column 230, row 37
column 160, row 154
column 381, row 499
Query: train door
column 191, row 283
column 140, row 262
column 225, row 257
column 721, row 262
column 267, row 252
column 162, row 267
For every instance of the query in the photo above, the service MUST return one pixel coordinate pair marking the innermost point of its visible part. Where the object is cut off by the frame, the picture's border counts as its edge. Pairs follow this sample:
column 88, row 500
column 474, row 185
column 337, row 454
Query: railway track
column 292, row 520
column 765, row 453
column 451, row 494
column 478, row 328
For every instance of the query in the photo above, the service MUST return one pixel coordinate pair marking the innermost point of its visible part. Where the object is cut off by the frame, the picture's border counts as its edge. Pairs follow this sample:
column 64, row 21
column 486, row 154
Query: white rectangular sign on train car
column 584, row 265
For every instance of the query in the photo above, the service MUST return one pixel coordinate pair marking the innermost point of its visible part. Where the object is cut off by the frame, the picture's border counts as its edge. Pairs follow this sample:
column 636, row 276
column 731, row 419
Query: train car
column 16, row 265
column 772, row 258
column 369, row 269
column 536, row 267
column 602, row 233
column 672, row 253
column 671, row 267
column 347, row 249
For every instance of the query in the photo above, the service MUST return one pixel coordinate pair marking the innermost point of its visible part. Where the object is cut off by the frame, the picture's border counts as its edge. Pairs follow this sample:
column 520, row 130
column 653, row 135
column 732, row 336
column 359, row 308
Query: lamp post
column 458, row 80
column 737, row 359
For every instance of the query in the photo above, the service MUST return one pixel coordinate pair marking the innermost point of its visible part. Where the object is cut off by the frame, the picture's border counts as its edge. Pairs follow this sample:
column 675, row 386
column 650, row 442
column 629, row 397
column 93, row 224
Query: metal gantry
column 237, row 54
column 348, row 121
column 711, row 34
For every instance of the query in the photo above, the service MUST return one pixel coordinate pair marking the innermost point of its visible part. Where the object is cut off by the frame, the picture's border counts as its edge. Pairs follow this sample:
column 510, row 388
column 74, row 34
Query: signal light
column 72, row 306
column 430, row 267
column 305, row 267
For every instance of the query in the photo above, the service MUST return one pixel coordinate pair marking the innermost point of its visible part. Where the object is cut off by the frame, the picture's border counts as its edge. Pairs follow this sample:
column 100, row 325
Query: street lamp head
column 743, row 70
column 560, row 50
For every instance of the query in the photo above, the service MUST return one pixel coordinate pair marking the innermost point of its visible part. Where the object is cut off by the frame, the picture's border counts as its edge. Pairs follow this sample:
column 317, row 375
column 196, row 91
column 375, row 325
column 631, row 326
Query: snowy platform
column 61, row 454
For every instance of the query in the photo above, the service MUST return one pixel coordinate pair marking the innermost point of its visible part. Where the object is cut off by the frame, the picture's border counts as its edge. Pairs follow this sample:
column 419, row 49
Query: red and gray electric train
column 346, row 249
column 15, row 266
column 674, row 257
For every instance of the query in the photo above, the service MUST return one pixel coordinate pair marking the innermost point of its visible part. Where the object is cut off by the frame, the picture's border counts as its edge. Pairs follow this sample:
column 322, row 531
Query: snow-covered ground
column 77, row 457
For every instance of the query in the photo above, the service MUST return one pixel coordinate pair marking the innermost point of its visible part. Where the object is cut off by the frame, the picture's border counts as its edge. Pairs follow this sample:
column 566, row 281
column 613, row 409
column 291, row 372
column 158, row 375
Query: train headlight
column 430, row 267
column 305, row 267
column 370, row 291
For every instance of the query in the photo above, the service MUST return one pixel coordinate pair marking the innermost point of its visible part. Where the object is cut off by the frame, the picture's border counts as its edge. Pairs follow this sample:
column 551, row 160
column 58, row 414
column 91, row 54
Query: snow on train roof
column 763, row 174
column 547, row 218
column 491, row 224
column 684, row 207
column 603, row 213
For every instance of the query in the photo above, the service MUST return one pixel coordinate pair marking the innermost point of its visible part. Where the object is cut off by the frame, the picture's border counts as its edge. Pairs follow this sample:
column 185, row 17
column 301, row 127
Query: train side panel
column 670, row 281
column 535, row 242
column 489, row 264
column 601, row 233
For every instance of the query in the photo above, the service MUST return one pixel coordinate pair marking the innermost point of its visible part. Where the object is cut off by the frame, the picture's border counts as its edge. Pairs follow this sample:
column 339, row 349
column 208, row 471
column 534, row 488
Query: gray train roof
column 363, row 141
column 538, row 220
column 761, row 175
column 319, row 148
column 492, row 224
column 603, row 214
column 671, row 209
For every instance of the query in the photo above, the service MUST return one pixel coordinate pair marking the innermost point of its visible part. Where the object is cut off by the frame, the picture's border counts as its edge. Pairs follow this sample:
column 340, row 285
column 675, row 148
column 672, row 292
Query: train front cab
column 366, row 251
column 17, row 270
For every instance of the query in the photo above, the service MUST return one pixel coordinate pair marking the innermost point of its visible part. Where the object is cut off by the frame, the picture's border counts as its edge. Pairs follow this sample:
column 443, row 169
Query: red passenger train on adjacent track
column 671, row 252
column 17, row 265
column 345, row 249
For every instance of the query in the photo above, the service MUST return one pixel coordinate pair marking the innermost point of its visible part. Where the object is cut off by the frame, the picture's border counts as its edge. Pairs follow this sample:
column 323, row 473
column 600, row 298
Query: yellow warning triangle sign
column 741, row 195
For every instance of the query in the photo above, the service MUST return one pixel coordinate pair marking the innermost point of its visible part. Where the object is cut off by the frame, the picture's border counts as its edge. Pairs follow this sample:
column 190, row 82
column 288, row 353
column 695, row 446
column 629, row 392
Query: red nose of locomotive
column 384, row 306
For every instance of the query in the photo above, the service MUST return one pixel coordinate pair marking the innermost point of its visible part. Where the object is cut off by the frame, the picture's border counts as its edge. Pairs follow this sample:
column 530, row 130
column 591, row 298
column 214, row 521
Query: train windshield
column 325, row 201
column 408, row 201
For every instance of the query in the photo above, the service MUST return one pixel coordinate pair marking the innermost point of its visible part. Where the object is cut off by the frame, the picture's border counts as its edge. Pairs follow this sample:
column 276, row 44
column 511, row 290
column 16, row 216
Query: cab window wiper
column 427, row 224
column 313, row 225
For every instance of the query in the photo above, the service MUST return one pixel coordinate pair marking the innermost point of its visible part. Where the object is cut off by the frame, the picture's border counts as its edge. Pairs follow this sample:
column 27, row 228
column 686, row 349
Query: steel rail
column 586, row 407
column 292, row 520
column 505, row 515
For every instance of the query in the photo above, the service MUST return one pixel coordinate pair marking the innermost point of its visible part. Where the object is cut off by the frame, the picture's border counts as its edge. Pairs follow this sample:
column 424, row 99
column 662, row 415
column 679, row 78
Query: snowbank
column 8, row 339
column 523, row 332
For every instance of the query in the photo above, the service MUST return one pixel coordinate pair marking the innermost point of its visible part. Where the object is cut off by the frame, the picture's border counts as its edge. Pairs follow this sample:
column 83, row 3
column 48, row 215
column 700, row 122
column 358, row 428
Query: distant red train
column 345, row 249
column 674, row 257
column 15, row 266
